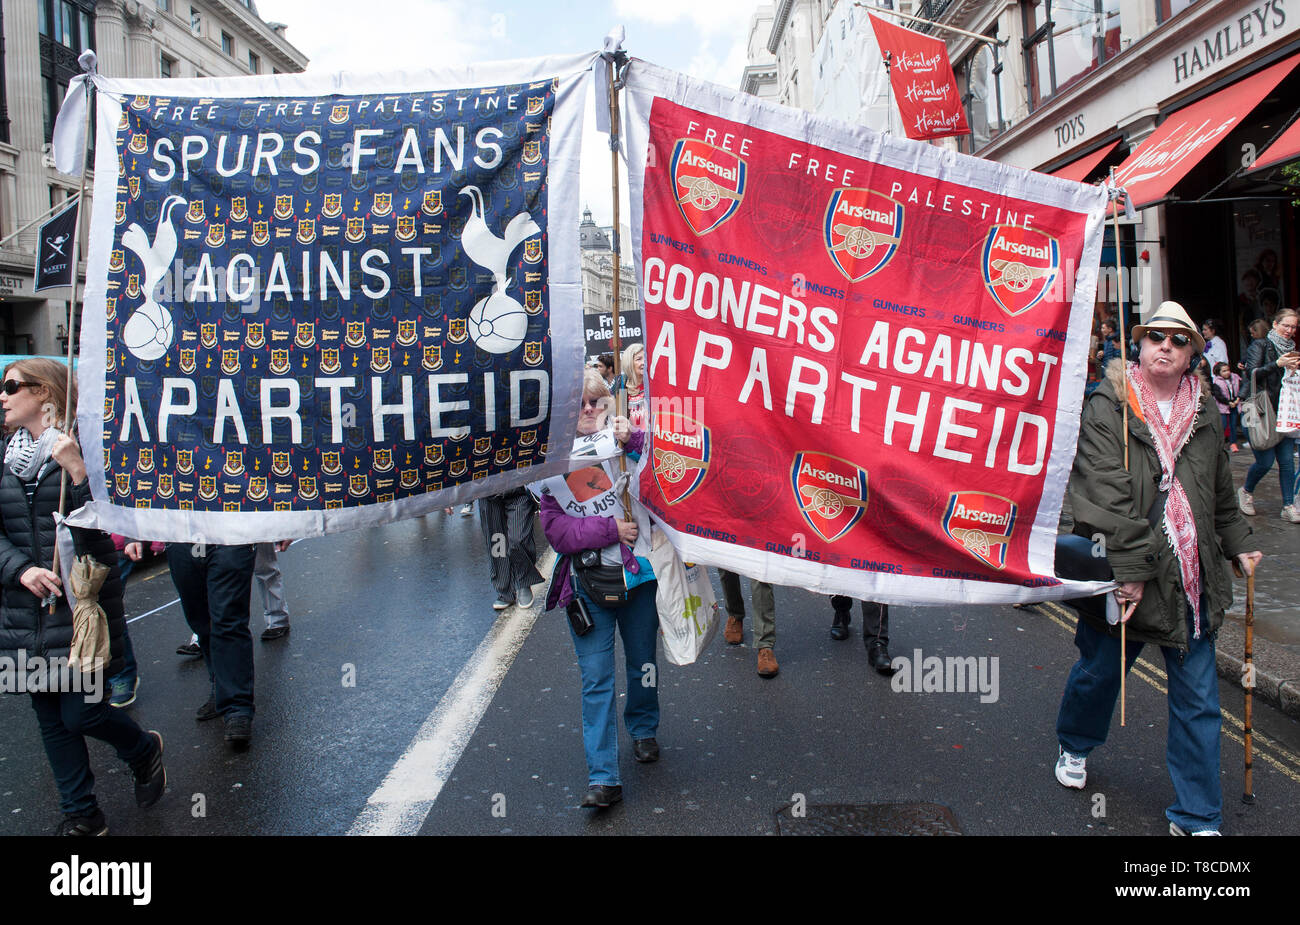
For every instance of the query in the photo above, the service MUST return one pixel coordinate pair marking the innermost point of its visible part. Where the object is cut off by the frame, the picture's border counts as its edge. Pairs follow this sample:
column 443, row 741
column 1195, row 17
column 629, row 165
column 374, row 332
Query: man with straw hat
column 1151, row 481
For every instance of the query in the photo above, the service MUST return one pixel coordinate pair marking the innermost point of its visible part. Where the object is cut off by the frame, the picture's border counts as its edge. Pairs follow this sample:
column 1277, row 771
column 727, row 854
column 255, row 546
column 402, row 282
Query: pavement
column 1276, row 636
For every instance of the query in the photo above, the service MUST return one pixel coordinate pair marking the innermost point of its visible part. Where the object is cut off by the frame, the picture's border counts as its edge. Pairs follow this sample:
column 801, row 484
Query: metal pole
column 77, row 249
column 40, row 218
column 931, row 22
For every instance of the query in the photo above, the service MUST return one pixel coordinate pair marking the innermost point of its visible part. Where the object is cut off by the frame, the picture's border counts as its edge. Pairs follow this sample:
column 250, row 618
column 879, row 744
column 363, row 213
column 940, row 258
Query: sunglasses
column 13, row 386
column 1158, row 337
column 592, row 402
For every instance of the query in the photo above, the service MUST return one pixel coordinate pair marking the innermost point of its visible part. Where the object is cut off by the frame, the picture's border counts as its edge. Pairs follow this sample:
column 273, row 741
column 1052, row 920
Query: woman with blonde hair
column 634, row 376
column 38, row 450
column 604, row 580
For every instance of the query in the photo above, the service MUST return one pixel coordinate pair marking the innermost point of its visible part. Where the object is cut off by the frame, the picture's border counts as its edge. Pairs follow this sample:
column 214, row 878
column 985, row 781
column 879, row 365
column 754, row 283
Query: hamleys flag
column 922, row 81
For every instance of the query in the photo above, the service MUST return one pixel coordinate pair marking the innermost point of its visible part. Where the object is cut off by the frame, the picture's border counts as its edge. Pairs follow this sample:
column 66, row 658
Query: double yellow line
column 1263, row 748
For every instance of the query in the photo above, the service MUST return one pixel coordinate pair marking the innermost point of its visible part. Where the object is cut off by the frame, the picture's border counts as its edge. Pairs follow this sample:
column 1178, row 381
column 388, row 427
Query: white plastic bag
column 688, row 608
column 1288, row 406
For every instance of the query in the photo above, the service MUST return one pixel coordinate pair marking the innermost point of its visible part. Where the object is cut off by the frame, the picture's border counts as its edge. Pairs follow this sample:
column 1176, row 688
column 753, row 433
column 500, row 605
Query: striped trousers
column 507, row 521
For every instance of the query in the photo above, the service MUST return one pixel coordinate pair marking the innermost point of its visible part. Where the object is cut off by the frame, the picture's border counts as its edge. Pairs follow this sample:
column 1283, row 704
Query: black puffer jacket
column 1261, row 355
column 27, row 539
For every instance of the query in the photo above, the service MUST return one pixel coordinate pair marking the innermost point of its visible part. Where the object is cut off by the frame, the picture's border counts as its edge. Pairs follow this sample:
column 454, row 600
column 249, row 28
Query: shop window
column 66, row 28
column 1066, row 40
column 1168, row 9
column 980, row 78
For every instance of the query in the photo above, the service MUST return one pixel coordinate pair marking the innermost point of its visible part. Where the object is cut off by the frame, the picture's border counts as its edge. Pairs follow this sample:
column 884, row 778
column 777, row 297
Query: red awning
column 1081, row 168
column 1191, row 133
column 1286, row 148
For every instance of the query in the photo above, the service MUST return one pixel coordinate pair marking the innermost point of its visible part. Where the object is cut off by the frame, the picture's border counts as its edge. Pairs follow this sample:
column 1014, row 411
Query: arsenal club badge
column 1019, row 266
column 831, row 493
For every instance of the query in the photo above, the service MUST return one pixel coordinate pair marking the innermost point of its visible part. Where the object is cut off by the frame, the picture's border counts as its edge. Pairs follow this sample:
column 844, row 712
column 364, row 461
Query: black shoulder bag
column 604, row 584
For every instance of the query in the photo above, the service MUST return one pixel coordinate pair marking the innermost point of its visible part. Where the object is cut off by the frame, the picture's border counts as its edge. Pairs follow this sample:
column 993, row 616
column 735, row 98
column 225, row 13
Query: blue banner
column 316, row 304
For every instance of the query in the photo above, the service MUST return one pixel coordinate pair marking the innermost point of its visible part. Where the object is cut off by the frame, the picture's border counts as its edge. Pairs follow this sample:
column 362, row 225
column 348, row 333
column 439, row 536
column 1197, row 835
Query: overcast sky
column 703, row 38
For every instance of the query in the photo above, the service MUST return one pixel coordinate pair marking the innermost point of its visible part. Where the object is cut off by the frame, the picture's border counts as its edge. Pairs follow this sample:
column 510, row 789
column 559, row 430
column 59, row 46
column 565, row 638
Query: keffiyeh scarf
column 1284, row 345
column 1179, row 524
column 25, row 457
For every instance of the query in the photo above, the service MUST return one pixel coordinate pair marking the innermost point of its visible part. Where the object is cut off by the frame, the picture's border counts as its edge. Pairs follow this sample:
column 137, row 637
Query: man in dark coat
column 1170, row 524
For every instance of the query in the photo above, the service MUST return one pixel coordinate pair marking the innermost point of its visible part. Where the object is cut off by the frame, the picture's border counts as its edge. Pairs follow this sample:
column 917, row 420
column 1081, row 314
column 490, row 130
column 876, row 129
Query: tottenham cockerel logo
column 861, row 231
column 831, row 493
column 709, row 184
column 682, row 449
column 148, row 331
column 1019, row 266
column 981, row 524
column 497, row 322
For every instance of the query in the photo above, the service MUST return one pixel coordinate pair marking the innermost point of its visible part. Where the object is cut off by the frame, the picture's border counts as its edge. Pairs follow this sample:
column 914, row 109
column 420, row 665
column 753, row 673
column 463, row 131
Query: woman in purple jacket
column 584, row 491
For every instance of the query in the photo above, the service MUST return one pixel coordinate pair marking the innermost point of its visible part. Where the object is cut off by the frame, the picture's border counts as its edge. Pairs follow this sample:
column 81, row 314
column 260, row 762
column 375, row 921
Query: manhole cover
column 868, row 819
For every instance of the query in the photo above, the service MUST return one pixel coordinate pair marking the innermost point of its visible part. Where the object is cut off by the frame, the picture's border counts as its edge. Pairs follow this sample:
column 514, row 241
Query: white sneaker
column 1246, row 501
column 1070, row 770
column 1290, row 514
column 1176, row 829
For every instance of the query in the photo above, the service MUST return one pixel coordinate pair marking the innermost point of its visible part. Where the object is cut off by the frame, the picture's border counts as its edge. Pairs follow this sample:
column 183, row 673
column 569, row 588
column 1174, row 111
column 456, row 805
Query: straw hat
column 1170, row 316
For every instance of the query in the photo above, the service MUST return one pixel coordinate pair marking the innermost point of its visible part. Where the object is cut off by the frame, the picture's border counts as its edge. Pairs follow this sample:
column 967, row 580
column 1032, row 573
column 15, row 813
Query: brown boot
column 734, row 631
column 767, row 667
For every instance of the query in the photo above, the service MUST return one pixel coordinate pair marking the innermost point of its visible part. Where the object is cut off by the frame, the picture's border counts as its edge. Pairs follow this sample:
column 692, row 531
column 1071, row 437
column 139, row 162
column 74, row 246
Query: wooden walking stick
column 620, row 400
column 78, row 249
column 1248, row 681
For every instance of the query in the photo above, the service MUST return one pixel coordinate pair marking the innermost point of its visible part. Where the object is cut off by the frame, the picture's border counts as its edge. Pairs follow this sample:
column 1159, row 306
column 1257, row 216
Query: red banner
column 922, row 80
column 865, row 368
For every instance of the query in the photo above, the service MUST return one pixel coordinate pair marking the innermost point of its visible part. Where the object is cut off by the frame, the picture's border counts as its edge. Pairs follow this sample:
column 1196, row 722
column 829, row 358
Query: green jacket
column 1114, row 503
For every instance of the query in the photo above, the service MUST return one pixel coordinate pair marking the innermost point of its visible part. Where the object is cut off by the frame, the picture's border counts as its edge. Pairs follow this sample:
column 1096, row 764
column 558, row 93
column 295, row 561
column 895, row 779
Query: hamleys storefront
column 1198, row 120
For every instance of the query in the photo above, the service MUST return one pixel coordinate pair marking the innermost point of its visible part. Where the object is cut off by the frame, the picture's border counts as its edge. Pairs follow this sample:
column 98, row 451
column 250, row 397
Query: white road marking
column 154, row 611
column 402, row 802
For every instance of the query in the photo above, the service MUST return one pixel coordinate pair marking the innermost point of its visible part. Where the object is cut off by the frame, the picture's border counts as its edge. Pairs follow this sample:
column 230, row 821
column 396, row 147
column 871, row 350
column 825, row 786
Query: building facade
column 597, row 252
column 1074, row 87
column 131, row 38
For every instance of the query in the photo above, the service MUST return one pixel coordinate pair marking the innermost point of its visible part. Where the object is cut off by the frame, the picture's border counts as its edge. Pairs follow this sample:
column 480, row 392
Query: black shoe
column 150, row 775
column 645, row 751
column 190, row 648
column 275, row 632
column 840, row 625
column 239, row 731
column 92, row 823
column 601, row 797
column 206, row 712
column 878, row 658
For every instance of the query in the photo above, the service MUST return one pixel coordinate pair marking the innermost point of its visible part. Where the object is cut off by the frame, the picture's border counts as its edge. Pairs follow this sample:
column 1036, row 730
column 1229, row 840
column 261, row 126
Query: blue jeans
column 65, row 720
column 1232, row 426
column 1192, row 747
column 129, row 668
column 638, row 623
column 1284, row 453
column 216, row 591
